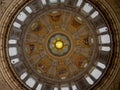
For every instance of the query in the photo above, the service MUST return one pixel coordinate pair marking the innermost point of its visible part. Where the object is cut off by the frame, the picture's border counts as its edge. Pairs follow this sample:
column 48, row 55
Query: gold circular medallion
column 59, row 44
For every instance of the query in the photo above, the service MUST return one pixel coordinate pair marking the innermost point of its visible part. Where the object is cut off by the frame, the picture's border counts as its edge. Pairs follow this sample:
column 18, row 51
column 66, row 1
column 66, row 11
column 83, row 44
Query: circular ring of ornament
column 61, row 46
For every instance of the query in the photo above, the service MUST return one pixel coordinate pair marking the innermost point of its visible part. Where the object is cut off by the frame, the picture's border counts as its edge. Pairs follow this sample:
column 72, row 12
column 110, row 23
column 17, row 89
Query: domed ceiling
column 59, row 45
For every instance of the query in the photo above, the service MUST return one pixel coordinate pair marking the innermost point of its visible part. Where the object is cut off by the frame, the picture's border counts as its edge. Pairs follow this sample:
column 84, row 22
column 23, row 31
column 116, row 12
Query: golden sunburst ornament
column 59, row 44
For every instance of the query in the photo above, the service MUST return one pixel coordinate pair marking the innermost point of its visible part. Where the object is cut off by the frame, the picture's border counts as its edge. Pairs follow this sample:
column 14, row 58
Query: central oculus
column 59, row 44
